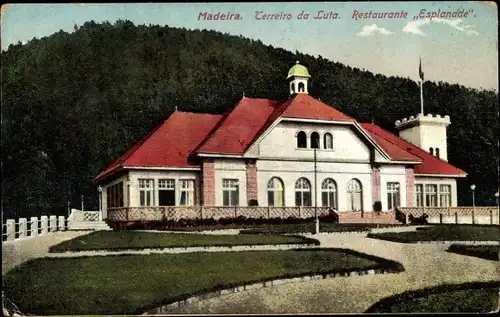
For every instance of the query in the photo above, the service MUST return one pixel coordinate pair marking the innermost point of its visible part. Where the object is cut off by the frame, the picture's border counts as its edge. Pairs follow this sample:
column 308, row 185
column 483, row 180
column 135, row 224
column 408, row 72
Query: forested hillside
column 74, row 102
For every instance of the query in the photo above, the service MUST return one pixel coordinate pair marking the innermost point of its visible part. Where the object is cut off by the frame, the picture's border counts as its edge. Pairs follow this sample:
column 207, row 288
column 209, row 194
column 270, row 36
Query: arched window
column 275, row 195
column 302, row 192
column 431, row 150
column 354, row 195
column 315, row 140
column 301, row 140
column 437, row 152
column 329, row 194
column 301, row 87
column 328, row 141
column 292, row 87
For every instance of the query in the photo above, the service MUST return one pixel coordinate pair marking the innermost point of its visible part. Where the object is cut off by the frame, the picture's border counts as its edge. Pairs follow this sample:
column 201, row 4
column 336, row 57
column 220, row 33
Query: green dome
column 298, row 71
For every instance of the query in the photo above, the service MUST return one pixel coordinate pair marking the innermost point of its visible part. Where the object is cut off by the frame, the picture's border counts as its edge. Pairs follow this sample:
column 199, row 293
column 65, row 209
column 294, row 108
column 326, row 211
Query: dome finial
column 297, row 62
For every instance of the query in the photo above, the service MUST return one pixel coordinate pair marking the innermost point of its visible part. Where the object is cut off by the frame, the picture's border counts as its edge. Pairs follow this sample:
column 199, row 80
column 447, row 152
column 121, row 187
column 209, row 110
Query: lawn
column 462, row 298
column 130, row 240
column 442, row 233
column 132, row 284
column 488, row 252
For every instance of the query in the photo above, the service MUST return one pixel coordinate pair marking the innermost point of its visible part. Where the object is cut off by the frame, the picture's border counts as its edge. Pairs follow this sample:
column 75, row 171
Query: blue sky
column 456, row 50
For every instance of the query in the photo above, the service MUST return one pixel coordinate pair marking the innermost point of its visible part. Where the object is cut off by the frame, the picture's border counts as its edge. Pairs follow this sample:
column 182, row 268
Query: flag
column 420, row 72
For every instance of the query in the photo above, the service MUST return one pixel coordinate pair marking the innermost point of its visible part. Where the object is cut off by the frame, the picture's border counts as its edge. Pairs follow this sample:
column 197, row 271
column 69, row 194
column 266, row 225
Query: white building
column 283, row 153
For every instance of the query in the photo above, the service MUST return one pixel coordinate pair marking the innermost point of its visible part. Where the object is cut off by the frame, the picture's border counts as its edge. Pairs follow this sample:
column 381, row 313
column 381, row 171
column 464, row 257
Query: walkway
column 426, row 265
column 19, row 251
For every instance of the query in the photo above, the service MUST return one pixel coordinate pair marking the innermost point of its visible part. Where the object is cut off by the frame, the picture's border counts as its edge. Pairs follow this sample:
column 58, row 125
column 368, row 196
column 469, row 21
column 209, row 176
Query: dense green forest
column 74, row 102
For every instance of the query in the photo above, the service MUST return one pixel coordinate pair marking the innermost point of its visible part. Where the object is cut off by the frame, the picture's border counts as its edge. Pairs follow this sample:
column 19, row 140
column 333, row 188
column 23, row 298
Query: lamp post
column 498, row 211
column 473, row 188
column 82, row 202
column 316, row 220
column 100, row 202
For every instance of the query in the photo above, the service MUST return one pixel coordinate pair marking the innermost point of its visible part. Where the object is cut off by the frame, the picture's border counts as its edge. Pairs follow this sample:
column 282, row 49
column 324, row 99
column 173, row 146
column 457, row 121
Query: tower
column 428, row 132
column 297, row 77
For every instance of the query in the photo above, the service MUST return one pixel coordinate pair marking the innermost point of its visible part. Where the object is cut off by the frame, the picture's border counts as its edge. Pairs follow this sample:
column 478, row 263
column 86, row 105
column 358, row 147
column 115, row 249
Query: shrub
column 377, row 206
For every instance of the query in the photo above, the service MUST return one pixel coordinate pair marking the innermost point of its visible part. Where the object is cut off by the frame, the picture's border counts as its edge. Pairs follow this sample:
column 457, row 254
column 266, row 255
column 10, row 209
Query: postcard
column 250, row 158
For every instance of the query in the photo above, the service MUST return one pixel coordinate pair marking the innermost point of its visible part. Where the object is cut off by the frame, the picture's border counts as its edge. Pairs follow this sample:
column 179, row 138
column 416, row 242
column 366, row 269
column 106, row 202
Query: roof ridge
column 217, row 126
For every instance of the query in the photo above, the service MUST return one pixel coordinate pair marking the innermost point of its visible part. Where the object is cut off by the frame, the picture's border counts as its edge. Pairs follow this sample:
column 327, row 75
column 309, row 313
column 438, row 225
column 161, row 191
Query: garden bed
column 461, row 298
column 116, row 285
column 132, row 240
column 488, row 252
column 442, row 233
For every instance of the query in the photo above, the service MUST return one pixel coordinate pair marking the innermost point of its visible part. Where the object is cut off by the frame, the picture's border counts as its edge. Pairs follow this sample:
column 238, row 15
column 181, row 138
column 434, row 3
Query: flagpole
column 422, row 97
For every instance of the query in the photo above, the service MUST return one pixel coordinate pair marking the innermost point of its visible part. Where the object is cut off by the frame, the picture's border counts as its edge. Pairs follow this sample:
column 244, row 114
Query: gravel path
column 237, row 248
column 19, row 251
column 426, row 265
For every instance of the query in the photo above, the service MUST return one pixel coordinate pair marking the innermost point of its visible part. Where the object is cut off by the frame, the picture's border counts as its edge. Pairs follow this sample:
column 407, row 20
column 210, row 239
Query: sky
column 460, row 48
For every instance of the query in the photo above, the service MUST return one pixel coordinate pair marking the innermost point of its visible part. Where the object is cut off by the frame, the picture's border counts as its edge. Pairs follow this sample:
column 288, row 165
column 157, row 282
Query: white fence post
column 53, row 223
column 23, row 227
column 44, row 224
column 34, row 226
column 61, row 223
column 11, row 229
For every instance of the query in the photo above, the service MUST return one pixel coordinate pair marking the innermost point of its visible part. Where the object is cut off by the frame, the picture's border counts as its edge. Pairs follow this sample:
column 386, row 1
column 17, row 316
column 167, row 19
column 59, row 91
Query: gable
column 281, row 142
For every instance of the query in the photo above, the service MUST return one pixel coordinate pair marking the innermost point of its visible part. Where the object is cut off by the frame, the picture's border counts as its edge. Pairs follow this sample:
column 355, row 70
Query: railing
column 22, row 228
column 203, row 212
column 471, row 215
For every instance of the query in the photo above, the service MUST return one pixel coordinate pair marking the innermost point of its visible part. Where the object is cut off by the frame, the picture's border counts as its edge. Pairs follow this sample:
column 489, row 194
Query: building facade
column 298, row 152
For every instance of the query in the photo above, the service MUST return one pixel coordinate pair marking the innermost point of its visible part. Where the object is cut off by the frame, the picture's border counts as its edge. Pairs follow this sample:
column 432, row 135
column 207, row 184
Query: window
column 437, row 152
column 328, row 141
column 431, row 195
column 301, row 140
column 166, row 192
column 354, row 195
column 419, row 195
column 146, row 187
column 302, row 192
column 301, row 87
column 329, row 193
column 444, row 195
column 393, row 195
column 230, row 192
column 275, row 192
column 315, row 140
column 187, row 193
column 431, row 150
column 114, row 195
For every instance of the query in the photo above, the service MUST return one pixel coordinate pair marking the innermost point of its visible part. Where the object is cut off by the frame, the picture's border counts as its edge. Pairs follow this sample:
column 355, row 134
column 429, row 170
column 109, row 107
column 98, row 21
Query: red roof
column 237, row 130
column 402, row 150
column 169, row 144
column 252, row 117
column 183, row 133
column 304, row 106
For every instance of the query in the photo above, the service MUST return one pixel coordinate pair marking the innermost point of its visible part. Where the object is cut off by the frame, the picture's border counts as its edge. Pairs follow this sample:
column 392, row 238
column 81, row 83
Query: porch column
column 410, row 186
column 375, row 173
column 208, row 183
column 252, row 192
